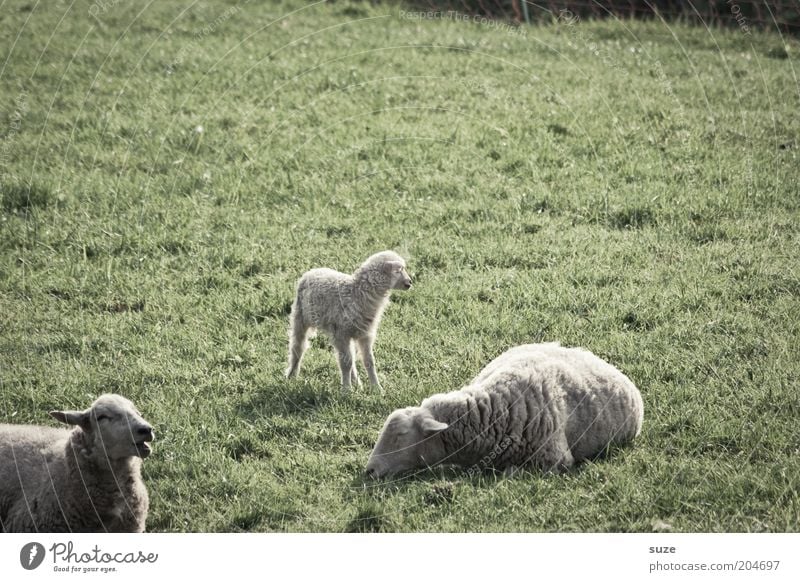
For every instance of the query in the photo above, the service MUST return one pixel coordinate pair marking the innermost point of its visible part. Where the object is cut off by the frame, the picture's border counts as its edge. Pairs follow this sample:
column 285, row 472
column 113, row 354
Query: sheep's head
column 398, row 276
column 409, row 440
column 113, row 425
column 389, row 268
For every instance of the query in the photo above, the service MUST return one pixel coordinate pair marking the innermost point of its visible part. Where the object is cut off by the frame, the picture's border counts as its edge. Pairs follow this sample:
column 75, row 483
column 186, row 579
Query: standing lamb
column 87, row 479
column 539, row 404
column 348, row 308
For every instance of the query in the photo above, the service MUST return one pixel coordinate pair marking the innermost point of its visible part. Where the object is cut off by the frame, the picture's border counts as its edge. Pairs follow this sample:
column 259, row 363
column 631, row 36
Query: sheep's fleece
column 348, row 308
column 539, row 404
column 87, row 479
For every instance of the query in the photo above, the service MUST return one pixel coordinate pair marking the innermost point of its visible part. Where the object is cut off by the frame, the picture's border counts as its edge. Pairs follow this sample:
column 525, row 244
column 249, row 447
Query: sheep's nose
column 147, row 432
column 369, row 473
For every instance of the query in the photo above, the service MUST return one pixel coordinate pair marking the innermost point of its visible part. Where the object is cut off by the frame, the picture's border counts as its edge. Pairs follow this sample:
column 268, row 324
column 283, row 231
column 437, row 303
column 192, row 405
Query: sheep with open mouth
column 87, row 479
column 538, row 404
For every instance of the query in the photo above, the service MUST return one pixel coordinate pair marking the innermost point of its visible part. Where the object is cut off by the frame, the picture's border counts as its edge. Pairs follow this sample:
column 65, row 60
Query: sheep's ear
column 431, row 426
column 73, row 417
column 390, row 266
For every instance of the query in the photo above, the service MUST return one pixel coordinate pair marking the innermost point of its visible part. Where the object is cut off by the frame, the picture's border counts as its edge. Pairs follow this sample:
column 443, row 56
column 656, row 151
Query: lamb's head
column 113, row 427
column 386, row 269
column 409, row 440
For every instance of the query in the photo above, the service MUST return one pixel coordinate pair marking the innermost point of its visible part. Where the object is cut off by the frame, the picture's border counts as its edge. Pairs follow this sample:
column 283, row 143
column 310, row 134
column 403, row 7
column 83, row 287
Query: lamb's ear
column 431, row 426
column 73, row 417
column 390, row 266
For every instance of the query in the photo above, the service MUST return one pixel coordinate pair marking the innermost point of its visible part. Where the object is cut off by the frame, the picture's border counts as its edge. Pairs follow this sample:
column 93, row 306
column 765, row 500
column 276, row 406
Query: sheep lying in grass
column 84, row 480
column 539, row 404
column 348, row 308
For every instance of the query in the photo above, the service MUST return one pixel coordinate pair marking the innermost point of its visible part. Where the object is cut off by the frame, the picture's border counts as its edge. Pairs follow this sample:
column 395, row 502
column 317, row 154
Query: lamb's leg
column 298, row 342
column 344, row 354
column 365, row 347
column 354, row 379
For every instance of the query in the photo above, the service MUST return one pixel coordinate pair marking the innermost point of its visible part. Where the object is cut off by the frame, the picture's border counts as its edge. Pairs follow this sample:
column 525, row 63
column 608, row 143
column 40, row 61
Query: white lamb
column 87, row 479
column 539, row 404
column 348, row 308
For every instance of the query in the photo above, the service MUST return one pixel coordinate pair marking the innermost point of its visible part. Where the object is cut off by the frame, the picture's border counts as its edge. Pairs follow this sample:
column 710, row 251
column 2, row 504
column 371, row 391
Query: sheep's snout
column 146, row 433
column 404, row 282
column 144, row 436
column 375, row 470
column 375, row 473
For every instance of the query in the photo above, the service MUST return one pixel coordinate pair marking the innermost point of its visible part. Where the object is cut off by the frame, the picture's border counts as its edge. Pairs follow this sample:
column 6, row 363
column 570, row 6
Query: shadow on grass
column 478, row 478
column 261, row 518
column 311, row 393
column 287, row 397
column 370, row 517
column 24, row 197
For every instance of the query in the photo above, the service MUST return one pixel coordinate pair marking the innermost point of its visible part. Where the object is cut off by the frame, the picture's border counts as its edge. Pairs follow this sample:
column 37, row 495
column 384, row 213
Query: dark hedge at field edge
column 781, row 15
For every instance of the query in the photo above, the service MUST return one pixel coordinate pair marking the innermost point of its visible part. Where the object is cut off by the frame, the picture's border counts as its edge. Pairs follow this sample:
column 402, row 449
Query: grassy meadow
column 170, row 169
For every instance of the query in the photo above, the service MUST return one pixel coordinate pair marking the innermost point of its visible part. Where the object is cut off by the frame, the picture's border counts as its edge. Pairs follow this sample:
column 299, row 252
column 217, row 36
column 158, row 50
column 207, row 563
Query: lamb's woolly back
column 86, row 479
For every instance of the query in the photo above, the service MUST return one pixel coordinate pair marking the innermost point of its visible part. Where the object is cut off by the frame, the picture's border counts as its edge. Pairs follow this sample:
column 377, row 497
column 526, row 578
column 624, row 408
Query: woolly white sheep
column 539, row 404
column 348, row 308
column 87, row 479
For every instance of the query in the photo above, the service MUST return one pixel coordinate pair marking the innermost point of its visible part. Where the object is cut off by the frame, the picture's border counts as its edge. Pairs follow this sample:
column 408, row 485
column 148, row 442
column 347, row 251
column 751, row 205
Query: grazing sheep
column 348, row 308
column 87, row 479
column 539, row 404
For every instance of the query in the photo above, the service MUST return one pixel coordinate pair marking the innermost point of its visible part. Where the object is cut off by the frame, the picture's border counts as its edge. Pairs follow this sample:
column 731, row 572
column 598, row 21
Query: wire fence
column 780, row 15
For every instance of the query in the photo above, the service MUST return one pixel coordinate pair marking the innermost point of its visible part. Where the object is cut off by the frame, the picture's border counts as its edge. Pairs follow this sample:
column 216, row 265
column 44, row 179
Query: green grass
column 627, row 187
